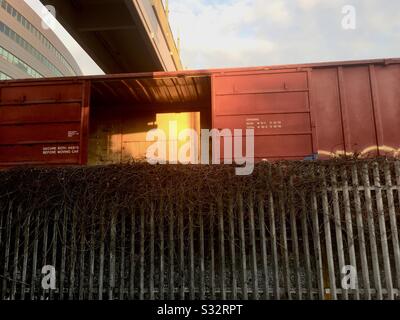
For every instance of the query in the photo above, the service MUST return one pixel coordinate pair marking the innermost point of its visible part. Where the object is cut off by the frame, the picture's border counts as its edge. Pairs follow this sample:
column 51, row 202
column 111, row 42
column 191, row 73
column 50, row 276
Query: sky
column 236, row 33
column 229, row 33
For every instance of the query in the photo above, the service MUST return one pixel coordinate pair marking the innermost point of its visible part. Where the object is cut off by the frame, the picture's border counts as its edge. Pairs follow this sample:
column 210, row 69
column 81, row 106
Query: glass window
column 4, row 76
column 38, row 34
column 19, row 63
column 23, row 43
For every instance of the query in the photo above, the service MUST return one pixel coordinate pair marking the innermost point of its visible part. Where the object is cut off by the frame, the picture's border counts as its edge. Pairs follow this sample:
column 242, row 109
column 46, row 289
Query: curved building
column 27, row 50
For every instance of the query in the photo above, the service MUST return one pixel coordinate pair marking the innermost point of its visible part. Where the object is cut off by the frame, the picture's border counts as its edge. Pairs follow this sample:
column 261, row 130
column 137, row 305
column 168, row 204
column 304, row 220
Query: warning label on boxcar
column 263, row 124
column 72, row 134
column 61, row 150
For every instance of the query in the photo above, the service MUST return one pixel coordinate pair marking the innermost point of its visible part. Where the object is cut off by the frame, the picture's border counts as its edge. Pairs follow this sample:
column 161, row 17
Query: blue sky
column 235, row 33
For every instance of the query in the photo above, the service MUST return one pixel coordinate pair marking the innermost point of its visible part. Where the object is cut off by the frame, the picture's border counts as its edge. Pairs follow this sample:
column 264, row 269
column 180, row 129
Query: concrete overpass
column 121, row 35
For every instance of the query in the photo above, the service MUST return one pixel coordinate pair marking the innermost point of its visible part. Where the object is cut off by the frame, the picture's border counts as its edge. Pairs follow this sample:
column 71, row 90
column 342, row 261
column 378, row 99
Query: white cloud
column 308, row 4
column 229, row 33
column 225, row 32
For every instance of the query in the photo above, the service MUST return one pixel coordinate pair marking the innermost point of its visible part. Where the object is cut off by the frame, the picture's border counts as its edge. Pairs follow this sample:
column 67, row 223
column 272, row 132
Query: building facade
column 27, row 50
column 121, row 36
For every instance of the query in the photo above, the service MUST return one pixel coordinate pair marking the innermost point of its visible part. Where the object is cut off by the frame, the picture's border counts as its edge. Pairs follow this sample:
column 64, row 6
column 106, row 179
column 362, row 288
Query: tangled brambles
column 139, row 231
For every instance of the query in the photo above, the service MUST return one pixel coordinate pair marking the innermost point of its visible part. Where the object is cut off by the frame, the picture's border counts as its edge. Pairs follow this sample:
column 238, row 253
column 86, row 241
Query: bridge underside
column 120, row 35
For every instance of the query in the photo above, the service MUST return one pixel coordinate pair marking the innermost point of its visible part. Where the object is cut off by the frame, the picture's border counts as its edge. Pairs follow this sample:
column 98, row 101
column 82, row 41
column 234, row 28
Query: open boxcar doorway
column 123, row 111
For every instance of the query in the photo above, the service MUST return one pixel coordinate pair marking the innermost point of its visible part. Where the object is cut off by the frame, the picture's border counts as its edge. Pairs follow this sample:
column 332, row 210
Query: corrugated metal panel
column 43, row 123
column 273, row 103
column 149, row 90
column 325, row 109
column 296, row 111
column 356, row 109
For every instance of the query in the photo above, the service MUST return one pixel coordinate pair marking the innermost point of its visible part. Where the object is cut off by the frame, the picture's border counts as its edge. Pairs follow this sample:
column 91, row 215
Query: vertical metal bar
column 132, row 258
column 191, row 249
column 151, row 275
column 360, row 233
column 82, row 260
column 338, row 227
column 84, row 130
column 317, row 241
column 349, row 224
column 72, row 257
column 232, row 248
column 92, row 256
column 34, row 257
column 274, row 246
column 171, row 254
column 283, row 234
column 26, row 255
column 44, row 244
column 55, row 245
column 63, row 253
column 306, row 247
column 181, row 253
column 16, row 256
column 312, row 112
column 113, row 232
column 253, row 248
column 122, row 259
column 372, row 235
column 382, row 228
column 344, row 107
column 161, row 226
column 295, row 239
column 328, row 237
column 202, row 267
column 221, row 247
column 393, row 223
column 212, row 254
column 397, row 172
column 142, row 230
column 263, row 240
column 7, row 252
column 376, row 105
column 101, row 254
column 213, row 98
column 242, row 248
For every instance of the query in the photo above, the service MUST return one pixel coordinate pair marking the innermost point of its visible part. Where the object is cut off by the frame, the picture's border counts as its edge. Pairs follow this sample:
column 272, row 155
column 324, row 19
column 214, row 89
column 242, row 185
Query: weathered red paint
column 273, row 103
column 41, row 123
column 297, row 111
column 357, row 108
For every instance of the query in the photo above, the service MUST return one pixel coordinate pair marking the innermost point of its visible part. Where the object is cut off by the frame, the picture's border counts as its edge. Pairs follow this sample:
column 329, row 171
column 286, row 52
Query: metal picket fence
column 287, row 243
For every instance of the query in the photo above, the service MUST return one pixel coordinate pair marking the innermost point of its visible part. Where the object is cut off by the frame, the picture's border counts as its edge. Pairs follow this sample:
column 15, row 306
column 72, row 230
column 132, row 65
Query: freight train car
column 303, row 111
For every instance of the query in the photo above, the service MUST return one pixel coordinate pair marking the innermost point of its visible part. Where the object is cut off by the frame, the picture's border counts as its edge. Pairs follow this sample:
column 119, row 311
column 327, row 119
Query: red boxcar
column 297, row 111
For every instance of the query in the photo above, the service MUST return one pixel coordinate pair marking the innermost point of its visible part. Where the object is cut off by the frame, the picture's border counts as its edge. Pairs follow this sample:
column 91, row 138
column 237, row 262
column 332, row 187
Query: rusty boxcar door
column 275, row 103
column 44, row 123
